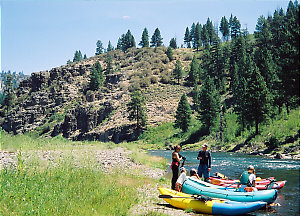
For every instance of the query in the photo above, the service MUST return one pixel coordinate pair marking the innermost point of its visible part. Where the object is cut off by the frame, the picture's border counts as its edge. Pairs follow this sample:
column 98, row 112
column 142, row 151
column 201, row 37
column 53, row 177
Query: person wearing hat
column 205, row 162
column 181, row 179
column 248, row 177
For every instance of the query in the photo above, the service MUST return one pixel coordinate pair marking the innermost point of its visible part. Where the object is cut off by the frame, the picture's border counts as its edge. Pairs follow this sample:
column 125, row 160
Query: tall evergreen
column 209, row 104
column 99, row 47
column 109, row 65
column 156, row 39
column 257, row 97
column 109, row 47
column 183, row 114
column 177, row 72
column 224, row 28
column 137, row 110
column 126, row 41
column 196, row 96
column 8, row 92
column 192, row 32
column 235, row 27
column 96, row 77
column 211, row 31
column 197, row 38
column 145, row 38
column 194, row 72
column 173, row 43
column 169, row 53
column 77, row 56
column 187, row 38
column 204, row 35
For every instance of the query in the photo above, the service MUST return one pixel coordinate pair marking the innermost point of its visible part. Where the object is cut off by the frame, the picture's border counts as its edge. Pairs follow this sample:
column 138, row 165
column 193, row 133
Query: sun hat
column 250, row 167
column 204, row 145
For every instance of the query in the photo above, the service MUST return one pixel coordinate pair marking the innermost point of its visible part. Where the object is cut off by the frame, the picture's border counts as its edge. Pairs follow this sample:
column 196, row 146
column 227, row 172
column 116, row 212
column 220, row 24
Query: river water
column 233, row 164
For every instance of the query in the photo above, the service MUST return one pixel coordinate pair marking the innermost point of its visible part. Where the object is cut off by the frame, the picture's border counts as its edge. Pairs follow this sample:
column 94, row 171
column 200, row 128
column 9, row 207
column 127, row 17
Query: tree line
column 261, row 72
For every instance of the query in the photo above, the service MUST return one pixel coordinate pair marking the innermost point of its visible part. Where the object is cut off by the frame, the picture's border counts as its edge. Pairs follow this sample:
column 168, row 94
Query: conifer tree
column 84, row 57
column 197, row 39
column 183, row 114
column 204, row 35
column 99, row 47
column 169, row 53
column 210, row 31
column 145, row 39
column 187, row 38
column 77, row 56
column 257, row 97
column 192, row 33
column 194, row 72
column 196, row 95
column 235, row 27
column 109, row 47
column 8, row 92
column 224, row 28
column 136, row 109
column 173, row 43
column 96, row 77
column 109, row 65
column 209, row 104
column 177, row 72
column 156, row 40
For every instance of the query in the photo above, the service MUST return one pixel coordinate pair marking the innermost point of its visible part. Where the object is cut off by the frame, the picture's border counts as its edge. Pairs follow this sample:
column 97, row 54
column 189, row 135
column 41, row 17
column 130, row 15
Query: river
column 233, row 164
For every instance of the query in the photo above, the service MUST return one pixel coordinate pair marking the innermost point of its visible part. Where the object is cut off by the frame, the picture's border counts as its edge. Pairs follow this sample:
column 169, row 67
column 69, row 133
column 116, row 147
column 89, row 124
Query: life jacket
column 245, row 178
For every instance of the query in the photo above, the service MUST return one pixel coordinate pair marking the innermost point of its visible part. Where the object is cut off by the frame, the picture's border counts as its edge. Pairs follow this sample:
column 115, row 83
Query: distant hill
column 58, row 101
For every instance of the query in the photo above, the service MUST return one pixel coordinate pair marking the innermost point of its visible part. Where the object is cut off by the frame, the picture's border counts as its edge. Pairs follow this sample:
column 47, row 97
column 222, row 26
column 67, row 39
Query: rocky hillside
column 59, row 101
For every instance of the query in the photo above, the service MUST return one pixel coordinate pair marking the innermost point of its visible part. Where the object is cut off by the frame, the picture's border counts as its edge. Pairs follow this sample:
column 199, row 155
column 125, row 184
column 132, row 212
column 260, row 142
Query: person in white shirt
column 181, row 179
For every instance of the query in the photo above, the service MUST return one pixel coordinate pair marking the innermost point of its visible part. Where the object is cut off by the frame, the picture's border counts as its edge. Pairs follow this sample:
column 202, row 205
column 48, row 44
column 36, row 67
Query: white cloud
column 125, row 17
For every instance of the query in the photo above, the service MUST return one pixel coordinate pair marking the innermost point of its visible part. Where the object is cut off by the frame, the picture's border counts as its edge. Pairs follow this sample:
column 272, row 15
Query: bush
column 165, row 60
column 165, row 79
column 145, row 82
column 188, row 57
column 273, row 143
column 153, row 79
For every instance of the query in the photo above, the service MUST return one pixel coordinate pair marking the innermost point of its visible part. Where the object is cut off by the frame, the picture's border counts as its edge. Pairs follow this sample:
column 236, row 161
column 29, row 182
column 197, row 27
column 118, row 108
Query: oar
column 170, row 197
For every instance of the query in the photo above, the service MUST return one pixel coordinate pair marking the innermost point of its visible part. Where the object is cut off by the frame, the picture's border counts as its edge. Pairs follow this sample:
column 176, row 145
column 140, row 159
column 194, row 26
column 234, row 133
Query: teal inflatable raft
column 194, row 186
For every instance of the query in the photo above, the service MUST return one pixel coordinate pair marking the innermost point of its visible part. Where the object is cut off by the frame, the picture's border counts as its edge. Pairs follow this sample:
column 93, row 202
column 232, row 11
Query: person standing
column 176, row 158
column 205, row 162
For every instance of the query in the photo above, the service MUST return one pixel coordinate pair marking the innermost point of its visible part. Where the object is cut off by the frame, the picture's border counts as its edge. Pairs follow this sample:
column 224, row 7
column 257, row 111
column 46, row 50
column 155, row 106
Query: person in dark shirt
column 205, row 162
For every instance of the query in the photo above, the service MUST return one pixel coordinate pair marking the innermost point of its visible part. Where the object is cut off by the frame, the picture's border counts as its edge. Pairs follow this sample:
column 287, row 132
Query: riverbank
column 73, row 178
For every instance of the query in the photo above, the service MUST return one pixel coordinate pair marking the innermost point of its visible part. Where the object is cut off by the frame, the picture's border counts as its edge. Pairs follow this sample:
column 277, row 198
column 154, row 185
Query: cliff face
column 58, row 101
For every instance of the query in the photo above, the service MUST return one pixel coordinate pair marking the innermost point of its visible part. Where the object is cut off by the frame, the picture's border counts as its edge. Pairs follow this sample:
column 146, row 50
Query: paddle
column 199, row 197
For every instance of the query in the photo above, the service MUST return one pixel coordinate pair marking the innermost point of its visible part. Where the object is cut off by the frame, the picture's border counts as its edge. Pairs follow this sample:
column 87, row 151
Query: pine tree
column 257, row 97
column 177, row 72
column 84, row 57
column 187, row 38
column 96, row 77
column 194, row 72
column 197, row 39
column 126, row 41
column 156, row 40
column 77, row 56
column 211, row 31
column 196, row 95
column 173, row 43
column 224, row 28
column 99, row 47
column 109, row 47
column 8, row 92
column 209, row 104
column 183, row 114
column 145, row 39
column 136, row 109
column 192, row 33
column 109, row 65
column 205, row 36
column 235, row 28
column 169, row 53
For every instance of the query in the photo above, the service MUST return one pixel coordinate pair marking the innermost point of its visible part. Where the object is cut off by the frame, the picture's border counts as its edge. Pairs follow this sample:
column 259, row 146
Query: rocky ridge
column 59, row 102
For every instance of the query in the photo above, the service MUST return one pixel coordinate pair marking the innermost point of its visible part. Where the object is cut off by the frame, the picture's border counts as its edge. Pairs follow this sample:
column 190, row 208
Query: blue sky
column 38, row 35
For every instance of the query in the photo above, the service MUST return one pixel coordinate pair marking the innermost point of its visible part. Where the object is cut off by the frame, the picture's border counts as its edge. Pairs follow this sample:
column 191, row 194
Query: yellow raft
column 214, row 206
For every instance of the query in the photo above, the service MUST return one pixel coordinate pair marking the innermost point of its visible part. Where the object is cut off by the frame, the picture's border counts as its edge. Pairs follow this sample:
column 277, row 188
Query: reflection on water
column 233, row 164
